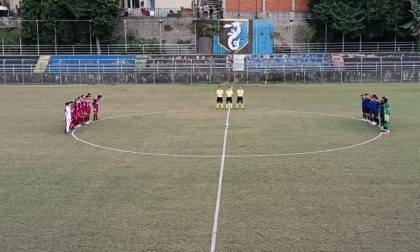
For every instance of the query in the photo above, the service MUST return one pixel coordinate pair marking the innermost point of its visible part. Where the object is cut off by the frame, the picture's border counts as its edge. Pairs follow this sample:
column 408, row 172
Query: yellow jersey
column 229, row 93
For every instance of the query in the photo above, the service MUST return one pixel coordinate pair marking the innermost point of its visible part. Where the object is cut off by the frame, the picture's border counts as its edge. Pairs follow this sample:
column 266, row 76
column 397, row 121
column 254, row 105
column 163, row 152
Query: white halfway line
column 219, row 189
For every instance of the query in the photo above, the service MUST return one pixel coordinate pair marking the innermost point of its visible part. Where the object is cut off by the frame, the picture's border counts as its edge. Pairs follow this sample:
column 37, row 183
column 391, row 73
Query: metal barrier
column 364, row 47
column 114, row 49
column 218, row 69
column 182, row 49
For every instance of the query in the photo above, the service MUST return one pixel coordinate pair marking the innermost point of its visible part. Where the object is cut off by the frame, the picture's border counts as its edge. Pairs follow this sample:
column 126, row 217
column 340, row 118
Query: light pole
column 239, row 9
column 160, row 36
column 291, row 35
column 55, row 37
column 395, row 38
column 326, row 37
column 125, row 35
column 37, row 35
column 20, row 37
column 256, row 9
column 90, row 35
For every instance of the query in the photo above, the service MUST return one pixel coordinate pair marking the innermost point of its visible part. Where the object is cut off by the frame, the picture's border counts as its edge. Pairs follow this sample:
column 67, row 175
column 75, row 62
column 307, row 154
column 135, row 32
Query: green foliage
column 10, row 40
column 9, row 36
column 183, row 41
column 141, row 45
column 306, row 33
column 343, row 17
column 371, row 19
column 214, row 28
column 414, row 25
column 207, row 28
column 102, row 13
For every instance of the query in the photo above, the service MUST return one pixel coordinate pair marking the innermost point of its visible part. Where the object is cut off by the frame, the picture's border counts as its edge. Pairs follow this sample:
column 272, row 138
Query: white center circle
column 230, row 156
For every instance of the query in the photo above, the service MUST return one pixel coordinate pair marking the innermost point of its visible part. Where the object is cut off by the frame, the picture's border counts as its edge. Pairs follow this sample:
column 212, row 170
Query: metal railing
column 149, row 49
column 364, row 47
column 216, row 69
column 156, row 49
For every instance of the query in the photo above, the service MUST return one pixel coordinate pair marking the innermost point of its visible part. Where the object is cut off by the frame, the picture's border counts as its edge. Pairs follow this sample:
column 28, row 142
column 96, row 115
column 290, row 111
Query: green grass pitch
column 60, row 194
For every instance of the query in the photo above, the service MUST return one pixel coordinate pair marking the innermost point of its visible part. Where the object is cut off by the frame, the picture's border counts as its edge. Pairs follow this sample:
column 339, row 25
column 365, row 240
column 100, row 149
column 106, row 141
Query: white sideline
column 219, row 189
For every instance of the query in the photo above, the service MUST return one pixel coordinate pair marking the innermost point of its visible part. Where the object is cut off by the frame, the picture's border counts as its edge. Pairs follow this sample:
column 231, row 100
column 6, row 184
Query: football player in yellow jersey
column 240, row 98
column 219, row 99
column 229, row 94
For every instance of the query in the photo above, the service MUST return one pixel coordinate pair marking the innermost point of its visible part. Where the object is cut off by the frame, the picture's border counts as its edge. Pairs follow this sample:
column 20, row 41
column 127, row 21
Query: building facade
column 154, row 7
column 12, row 5
column 266, row 5
column 288, row 16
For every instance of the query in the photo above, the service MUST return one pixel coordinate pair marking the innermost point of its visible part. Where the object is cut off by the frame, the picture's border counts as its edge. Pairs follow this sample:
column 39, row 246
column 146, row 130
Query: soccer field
column 301, row 172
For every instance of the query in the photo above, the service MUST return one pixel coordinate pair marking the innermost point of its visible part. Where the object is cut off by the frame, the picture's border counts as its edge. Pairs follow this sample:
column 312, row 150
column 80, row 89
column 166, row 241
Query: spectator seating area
column 18, row 64
column 91, row 64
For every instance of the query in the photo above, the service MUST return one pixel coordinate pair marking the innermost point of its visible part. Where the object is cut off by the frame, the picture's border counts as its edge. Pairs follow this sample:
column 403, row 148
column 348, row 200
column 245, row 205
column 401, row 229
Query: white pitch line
column 219, row 189
column 228, row 156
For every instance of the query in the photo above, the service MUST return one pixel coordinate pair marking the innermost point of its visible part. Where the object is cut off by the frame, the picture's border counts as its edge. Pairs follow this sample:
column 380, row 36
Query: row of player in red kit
column 77, row 112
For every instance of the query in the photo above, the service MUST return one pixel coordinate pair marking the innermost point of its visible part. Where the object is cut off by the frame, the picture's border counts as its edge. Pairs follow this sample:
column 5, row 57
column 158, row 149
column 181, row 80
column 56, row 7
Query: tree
column 414, row 25
column 371, row 19
column 83, row 19
column 139, row 45
column 306, row 33
column 342, row 17
column 102, row 13
column 30, row 10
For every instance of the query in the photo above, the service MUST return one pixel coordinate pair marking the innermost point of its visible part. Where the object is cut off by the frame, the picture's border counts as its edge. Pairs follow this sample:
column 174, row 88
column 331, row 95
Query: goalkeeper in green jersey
column 385, row 113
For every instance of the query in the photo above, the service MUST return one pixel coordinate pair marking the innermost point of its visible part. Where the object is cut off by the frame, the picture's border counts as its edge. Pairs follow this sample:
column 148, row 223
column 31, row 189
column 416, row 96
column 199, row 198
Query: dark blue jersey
column 375, row 106
column 364, row 103
column 370, row 105
column 382, row 109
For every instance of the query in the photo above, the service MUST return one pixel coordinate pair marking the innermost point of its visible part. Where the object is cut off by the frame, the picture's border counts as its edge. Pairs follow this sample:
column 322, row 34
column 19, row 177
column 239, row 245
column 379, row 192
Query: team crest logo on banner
column 234, row 35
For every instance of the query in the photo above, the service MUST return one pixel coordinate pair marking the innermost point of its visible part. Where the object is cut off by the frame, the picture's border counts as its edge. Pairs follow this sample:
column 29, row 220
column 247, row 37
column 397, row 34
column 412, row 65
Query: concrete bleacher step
column 42, row 64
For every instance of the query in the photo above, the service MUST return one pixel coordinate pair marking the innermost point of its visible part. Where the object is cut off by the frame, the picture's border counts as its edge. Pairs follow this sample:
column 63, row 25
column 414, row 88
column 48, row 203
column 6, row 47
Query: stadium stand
column 18, row 64
column 91, row 64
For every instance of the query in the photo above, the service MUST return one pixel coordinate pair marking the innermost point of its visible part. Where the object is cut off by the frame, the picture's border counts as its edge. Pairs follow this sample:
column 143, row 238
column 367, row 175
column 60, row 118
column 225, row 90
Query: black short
column 228, row 99
column 219, row 100
column 239, row 100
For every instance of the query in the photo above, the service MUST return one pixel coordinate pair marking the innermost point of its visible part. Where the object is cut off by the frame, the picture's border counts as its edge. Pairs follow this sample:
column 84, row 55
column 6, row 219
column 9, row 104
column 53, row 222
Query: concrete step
column 42, row 64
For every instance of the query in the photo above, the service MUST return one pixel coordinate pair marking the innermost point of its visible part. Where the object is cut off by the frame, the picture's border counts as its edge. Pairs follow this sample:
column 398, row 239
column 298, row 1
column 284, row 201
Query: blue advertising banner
column 289, row 62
